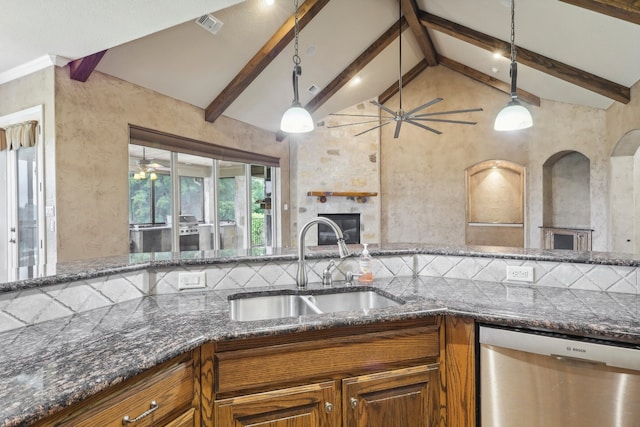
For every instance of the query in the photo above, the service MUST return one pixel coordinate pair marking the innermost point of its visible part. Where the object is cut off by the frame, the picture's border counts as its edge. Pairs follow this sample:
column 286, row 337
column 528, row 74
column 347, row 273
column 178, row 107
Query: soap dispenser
column 366, row 266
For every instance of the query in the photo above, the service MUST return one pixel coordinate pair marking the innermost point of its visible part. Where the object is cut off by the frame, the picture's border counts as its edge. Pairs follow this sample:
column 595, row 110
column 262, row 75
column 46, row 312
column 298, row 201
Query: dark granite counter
column 50, row 365
column 88, row 269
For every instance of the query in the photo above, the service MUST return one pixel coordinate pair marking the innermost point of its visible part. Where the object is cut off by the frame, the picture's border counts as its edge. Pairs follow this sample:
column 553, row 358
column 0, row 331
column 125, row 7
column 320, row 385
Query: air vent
column 210, row 23
column 313, row 89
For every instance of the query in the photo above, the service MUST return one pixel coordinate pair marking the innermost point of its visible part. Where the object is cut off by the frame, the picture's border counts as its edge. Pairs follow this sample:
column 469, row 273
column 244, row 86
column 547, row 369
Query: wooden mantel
column 358, row 196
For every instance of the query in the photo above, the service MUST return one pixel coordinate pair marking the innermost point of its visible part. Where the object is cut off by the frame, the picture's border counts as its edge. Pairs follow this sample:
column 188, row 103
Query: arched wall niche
column 566, row 190
column 495, row 208
column 624, row 194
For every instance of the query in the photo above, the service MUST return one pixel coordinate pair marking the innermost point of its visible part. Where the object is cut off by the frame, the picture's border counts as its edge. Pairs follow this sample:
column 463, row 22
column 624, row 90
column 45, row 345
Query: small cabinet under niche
column 573, row 239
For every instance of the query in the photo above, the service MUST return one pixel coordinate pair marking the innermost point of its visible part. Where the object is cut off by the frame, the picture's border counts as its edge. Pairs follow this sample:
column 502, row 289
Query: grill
column 188, row 225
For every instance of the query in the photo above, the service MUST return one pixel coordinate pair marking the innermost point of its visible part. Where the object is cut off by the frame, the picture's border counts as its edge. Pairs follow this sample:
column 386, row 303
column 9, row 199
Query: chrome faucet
column 301, row 277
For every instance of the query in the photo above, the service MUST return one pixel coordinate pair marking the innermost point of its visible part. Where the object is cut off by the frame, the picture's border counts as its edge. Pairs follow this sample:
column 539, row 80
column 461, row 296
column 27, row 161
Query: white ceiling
column 156, row 44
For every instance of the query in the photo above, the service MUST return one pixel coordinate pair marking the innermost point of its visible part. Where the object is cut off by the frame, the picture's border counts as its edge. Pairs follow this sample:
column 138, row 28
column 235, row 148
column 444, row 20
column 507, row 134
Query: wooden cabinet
column 404, row 397
column 366, row 376
column 167, row 395
column 314, row 405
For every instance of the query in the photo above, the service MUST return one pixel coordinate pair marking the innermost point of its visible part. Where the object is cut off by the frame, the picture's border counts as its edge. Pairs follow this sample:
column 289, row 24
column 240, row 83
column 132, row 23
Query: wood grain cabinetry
column 405, row 397
column 167, row 395
column 353, row 377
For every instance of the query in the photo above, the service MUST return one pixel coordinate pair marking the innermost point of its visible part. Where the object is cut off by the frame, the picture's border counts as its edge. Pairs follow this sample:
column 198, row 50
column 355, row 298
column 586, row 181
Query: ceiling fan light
column 513, row 117
column 153, row 176
column 296, row 120
column 136, row 176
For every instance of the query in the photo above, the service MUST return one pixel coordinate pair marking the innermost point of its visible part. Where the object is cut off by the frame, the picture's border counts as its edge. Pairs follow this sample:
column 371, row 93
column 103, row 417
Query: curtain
column 19, row 135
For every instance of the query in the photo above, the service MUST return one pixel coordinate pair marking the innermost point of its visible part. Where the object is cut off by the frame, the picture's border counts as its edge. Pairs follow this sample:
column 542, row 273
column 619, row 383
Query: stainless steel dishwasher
column 536, row 379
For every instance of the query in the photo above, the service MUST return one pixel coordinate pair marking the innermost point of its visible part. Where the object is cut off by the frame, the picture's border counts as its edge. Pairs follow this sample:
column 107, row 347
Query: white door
column 22, row 239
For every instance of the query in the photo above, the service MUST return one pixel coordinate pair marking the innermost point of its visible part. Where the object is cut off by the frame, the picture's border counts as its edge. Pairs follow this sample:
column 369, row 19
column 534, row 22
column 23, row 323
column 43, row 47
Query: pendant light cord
column 513, row 69
column 296, row 58
column 513, row 30
column 400, row 55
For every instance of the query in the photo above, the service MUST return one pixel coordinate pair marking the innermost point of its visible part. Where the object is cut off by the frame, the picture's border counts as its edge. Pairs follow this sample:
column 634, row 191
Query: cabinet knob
column 354, row 402
column 153, row 406
column 328, row 407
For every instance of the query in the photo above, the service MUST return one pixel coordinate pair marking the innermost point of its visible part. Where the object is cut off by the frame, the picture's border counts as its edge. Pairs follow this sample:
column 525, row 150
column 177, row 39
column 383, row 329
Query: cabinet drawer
column 260, row 368
column 171, row 388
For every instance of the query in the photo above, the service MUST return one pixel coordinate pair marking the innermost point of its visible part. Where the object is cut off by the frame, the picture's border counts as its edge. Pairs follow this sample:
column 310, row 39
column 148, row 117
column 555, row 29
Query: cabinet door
column 404, row 397
column 314, row 405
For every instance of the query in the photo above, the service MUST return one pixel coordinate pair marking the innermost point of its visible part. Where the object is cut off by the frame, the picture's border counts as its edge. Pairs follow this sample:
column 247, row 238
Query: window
column 149, row 199
column 231, row 202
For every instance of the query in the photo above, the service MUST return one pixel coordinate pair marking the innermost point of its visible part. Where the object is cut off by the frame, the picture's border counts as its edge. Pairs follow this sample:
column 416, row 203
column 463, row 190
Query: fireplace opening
column 348, row 223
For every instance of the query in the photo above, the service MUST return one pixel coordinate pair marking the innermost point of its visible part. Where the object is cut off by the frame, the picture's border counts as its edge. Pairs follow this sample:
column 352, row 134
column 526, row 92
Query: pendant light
column 296, row 119
column 514, row 116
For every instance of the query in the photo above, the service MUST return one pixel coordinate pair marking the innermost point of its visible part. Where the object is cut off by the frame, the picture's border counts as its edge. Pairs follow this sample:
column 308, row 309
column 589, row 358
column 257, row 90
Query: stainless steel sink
column 275, row 305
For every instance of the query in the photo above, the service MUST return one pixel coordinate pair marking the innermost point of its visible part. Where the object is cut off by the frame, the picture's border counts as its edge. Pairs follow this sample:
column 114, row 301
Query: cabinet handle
column 154, row 406
column 354, row 402
column 328, row 407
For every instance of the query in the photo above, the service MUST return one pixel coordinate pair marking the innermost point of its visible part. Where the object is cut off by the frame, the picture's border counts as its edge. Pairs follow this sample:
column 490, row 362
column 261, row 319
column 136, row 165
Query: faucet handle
column 348, row 277
column 326, row 275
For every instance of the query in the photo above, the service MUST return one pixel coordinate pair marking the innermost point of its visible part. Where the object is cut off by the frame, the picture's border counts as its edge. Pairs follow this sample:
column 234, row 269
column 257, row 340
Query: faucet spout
column 301, row 276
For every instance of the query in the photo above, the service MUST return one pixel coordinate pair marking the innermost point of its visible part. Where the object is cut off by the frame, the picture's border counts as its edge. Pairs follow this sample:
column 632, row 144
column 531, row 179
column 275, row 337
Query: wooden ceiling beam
column 356, row 66
column 531, row 59
column 81, row 69
column 620, row 9
column 276, row 44
column 488, row 80
column 410, row 10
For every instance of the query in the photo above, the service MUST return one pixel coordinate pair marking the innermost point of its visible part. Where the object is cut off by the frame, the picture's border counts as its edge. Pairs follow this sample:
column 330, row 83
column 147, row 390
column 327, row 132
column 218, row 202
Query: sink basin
column 275, row 305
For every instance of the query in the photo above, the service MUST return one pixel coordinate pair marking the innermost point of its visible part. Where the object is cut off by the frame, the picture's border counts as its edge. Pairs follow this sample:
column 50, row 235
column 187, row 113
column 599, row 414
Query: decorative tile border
column 32, row 306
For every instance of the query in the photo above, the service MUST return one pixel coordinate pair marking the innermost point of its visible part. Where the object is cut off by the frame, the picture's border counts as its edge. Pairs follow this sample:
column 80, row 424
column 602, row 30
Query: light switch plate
column 519, row 273
column 192, row 280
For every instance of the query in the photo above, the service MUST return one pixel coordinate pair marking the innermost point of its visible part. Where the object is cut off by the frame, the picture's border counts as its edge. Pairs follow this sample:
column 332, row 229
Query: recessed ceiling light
column 497, row 55
column 268, row 2
column 356, row 80
column 495, row 70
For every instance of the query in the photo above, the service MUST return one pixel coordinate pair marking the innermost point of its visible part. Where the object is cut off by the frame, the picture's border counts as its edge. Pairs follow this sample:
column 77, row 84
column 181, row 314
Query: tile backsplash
column 27, row 307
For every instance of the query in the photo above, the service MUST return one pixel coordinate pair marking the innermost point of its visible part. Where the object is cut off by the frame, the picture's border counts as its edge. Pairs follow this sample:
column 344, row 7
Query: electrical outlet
column 519, row 274
column 192, row 280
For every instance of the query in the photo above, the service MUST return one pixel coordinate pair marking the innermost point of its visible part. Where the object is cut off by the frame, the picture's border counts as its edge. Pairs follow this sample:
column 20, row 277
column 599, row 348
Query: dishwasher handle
column 578, row 360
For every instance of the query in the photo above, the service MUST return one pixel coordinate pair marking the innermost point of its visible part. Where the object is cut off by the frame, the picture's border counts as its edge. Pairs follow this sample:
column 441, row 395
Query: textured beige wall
column 26, row 92
column 92, row 128
column 333, row 159
column 422, row 174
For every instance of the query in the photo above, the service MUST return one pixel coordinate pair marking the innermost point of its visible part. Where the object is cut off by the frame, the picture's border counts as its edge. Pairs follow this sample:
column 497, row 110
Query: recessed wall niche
column 495, row 204
column 567, row 191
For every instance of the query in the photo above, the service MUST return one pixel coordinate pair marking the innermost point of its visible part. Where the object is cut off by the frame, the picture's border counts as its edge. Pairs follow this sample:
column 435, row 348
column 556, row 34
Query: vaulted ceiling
column 575, row 51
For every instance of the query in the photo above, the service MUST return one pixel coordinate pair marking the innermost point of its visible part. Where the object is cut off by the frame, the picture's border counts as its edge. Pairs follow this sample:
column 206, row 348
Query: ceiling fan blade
column 428, row 104
column 388, row 110
column 397, row 132
column 470, row 110
column 420, row 125
column 354, row 115
column 461, row 122
column 352, row 124
column 375, row 127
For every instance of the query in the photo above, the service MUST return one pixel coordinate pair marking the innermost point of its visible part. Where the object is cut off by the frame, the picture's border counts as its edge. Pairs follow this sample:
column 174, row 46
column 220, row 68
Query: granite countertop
column 87, row 269
column 50, row 365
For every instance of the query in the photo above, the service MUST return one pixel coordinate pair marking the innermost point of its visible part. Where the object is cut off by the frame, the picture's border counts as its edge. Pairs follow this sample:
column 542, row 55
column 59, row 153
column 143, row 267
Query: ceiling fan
column 401, row 116
column 146, row 168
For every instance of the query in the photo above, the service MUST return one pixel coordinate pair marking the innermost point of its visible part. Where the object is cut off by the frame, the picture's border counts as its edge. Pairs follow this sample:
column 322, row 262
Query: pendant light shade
column 514, row 116
column 296, row 119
